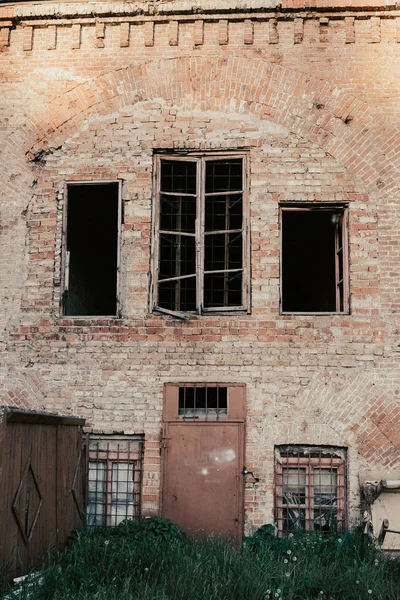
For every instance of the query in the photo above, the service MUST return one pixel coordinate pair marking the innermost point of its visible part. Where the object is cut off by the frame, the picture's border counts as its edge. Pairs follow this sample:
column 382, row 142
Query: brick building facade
column 285, row 116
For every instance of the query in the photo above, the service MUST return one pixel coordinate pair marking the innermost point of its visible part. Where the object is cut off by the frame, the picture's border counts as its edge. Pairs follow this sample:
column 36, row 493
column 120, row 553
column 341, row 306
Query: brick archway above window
column 311, row 108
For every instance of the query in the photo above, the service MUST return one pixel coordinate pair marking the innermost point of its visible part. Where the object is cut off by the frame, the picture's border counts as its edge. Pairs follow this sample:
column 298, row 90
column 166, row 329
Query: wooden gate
column 203, row 457
column 42, row 482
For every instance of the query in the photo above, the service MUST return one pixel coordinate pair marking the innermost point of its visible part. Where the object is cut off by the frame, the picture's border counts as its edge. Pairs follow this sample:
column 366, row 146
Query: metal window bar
column 309, row 491
column 115, row 481
column 204, row 402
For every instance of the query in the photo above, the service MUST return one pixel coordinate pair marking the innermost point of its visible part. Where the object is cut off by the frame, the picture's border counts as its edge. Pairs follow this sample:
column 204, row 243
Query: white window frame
column 201, row 159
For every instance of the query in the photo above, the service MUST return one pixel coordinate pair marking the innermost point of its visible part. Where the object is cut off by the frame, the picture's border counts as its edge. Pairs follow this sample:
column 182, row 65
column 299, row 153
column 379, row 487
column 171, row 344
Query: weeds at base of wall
column 166, row 565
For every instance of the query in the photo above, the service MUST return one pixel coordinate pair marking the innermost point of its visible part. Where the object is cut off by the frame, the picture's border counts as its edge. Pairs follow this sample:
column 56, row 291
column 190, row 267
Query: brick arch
column 309, row 107
column 23, row 390
column 362, row 408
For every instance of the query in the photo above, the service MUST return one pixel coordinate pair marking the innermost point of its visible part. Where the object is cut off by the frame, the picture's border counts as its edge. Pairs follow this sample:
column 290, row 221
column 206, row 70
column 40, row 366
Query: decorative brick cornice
column 362, row 27
column 119, row 10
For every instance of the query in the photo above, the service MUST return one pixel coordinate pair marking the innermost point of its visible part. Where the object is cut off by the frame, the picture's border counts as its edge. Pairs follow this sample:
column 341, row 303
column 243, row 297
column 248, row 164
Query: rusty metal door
column 203, row 461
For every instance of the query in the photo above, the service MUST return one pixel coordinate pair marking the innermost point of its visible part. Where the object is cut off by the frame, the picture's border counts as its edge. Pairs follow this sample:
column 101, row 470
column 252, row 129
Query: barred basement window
column 310, row 489
column 114, row 481
column 200, row 233
column 314, row 263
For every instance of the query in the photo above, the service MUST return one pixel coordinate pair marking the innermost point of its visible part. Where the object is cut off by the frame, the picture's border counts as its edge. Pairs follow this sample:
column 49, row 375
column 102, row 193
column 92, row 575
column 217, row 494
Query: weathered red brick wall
column 87, row 93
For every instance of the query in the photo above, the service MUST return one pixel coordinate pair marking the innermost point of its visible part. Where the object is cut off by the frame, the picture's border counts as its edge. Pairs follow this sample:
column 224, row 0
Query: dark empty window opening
column 310, row 490
column 200, row 233
column 203, row 402
column 314, row 260
column 91, row 257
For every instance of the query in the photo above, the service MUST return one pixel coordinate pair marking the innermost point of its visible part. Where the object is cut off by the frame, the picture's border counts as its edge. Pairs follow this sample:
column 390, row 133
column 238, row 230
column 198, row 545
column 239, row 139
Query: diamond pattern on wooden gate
column 27, row 503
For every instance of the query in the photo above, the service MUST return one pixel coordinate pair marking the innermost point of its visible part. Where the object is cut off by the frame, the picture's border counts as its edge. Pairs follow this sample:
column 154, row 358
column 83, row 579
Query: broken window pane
column 91, row 250
column 312, row 260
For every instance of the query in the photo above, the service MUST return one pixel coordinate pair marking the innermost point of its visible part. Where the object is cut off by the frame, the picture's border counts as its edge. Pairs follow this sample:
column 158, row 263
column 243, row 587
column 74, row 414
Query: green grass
column 160, row 564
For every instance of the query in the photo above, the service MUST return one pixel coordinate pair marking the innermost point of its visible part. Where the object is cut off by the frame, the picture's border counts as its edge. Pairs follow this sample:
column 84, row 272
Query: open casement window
column 314, row 259
column 114, row 479
column 200, row 233
column 310, row 489
column 91, row 249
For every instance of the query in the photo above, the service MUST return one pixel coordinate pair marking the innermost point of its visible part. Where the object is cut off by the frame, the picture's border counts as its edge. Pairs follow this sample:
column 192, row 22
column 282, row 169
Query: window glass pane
column 178, row 295
column 294, row 485
column 223, row 251
column 177, row 213
column 223, row 212
column 325, row 485
column 224, row 175
column 96, row 494
column 119, row 513
column 122, row 482
column 177, row 256
column 178, row 176
column 223, row 289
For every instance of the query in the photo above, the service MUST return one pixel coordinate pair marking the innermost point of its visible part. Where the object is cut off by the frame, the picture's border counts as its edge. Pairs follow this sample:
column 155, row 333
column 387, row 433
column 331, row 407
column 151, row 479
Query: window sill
column 313, row 314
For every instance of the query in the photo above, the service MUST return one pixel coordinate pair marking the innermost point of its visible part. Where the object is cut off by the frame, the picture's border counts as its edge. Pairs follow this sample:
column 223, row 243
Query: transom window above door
column 200, row 233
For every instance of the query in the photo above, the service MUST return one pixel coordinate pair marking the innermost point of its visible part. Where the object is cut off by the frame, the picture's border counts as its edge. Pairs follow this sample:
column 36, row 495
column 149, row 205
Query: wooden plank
column 70, row 466
column 47, row 454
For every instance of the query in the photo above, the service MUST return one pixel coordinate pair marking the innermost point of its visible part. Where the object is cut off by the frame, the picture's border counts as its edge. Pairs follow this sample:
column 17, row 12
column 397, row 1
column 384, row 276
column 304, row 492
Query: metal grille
column 203, row 402
column 310, row 489
column 114, row 480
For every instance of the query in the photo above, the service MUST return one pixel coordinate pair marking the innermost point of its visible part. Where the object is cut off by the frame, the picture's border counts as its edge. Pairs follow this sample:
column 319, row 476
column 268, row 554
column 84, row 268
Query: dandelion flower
column 279, row 591
column 289, row 552
column 106, row 542
column 340, row 540
column 287, row 574
column 286, row 561
column 294, row 558
column 357, row 582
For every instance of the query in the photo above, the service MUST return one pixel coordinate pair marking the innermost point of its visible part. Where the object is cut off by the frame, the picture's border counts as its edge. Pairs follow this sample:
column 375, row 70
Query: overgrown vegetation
column 156, row 561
